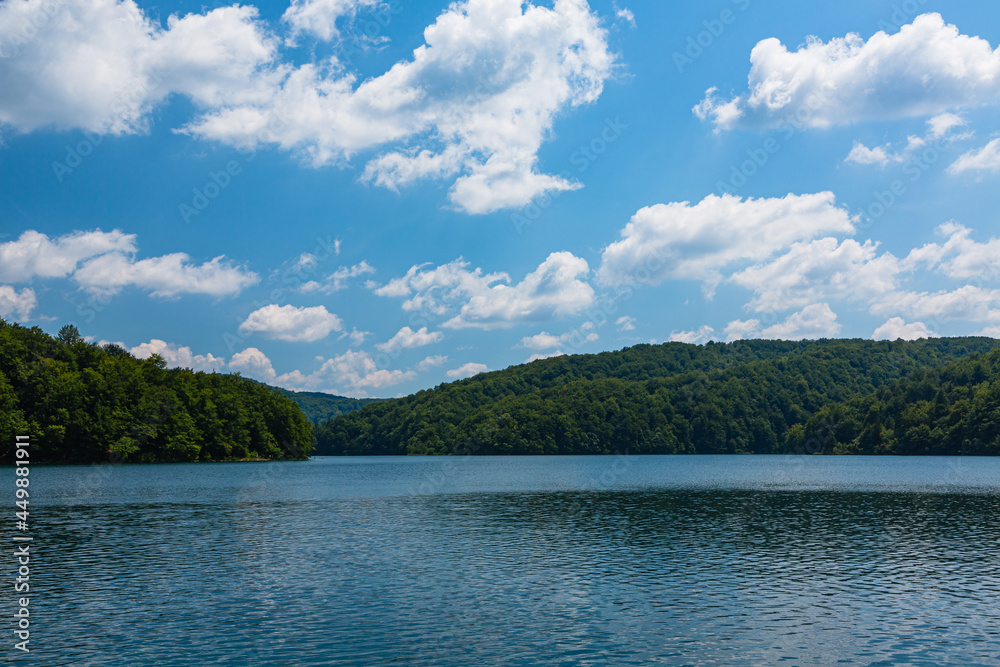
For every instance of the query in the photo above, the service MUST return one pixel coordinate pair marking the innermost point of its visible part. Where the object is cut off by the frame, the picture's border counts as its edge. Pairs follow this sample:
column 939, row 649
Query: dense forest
column 80, row 402
column 320, row 408
column 936, row 396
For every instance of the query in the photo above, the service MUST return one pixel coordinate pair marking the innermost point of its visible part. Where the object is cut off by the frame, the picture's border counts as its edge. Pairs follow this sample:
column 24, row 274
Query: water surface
column 694, row 560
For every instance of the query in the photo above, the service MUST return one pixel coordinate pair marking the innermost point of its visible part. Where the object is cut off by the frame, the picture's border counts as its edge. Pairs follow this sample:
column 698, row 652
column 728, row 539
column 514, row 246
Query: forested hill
column 742, row 397
column 320, row 408
column 84, row 403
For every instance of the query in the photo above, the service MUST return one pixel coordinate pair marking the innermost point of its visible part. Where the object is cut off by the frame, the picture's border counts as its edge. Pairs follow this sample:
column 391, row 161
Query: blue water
column 516, row 561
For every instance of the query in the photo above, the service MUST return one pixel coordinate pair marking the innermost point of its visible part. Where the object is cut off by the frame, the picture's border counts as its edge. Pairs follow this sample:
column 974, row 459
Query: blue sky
column 370, row 198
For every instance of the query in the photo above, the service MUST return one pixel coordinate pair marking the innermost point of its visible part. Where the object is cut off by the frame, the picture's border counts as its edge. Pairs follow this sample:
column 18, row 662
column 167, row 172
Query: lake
column 667, row 560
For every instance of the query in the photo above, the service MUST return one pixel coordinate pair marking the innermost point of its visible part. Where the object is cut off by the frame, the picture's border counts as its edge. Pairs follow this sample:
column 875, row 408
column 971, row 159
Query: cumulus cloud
column 357, row 370
column 695, row 337
column 976, row 304
column 938, row 128
column 473, row 104
column 106, row 78
column 557, row 288
column 337, row 280
column 625, row 323
column 984, row 159
column 406, row 338
column 290, row 323
column 896, row 328
column 468, row 370
column 546, row 341
column 103, row 262
column 741, row 329
column 815, row 321
column 17, row 303
column 861, row 154
column 178, row 356
column 927, row 68
column 432, row 362
column 959, row 256
column 34, row 254
column 683, row 242
column 318, row 18
column 820, row 270
column 542, row 355
column 166, row 276
column 253, row 363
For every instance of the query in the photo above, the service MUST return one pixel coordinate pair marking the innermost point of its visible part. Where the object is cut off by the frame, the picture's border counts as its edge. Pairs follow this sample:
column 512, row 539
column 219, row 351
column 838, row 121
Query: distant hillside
column 744, row 397
column 80, row 402
column 320, row 408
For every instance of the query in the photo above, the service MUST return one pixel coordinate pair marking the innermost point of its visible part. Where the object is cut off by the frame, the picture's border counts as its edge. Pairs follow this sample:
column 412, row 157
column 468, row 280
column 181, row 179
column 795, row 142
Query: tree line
column 81, row 402
column 936, row 396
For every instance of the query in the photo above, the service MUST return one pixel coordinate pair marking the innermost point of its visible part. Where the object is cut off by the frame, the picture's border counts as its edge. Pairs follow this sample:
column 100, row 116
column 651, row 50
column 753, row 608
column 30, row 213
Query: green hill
column 82, row 403
column 320, row 408
column 741, row 397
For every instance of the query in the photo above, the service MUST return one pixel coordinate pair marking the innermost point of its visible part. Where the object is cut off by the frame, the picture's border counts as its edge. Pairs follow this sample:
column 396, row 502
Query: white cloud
column 541, row 355
column 432, row 362
column 625, row 323
column 815, row 321
column 986, row 158
column 17, row 303
column 357, row 337
column 959, row 256
column 926, row 68
column 938, row 129
column 358, row 370
column 551, row 291
column 179, row 356
column 555, row 289
column 338, row 280
column 861, row 154
column 318, row 18
column 253, row 363
column 35, row 254
column 742, row 329
column 820, row 270
column 290, row 323
column 683, row 242
column 625, row 14
column 468, row 370
column 102, row 65
column 696, row 337
column 896, row 328
column 989, row 332
column 970, row 302
column 165, row 276
column 406, row 338
column 546, row 341
column 474, row 103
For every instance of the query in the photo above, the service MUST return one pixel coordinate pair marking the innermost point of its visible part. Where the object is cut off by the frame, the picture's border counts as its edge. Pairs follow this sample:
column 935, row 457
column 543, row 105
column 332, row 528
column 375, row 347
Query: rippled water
column 518, row 561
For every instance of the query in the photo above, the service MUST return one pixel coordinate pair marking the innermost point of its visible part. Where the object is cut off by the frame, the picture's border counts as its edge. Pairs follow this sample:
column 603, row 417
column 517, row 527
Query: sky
column 371, row 198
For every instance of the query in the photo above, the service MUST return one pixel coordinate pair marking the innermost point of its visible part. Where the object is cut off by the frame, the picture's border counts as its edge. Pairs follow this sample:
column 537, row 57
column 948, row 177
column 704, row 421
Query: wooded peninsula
column 81, row 402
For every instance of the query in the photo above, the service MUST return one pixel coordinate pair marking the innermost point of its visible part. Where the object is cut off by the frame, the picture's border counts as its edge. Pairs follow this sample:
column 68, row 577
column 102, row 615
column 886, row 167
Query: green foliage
column 743, row 397
column 320, row 408
column 83, row 403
